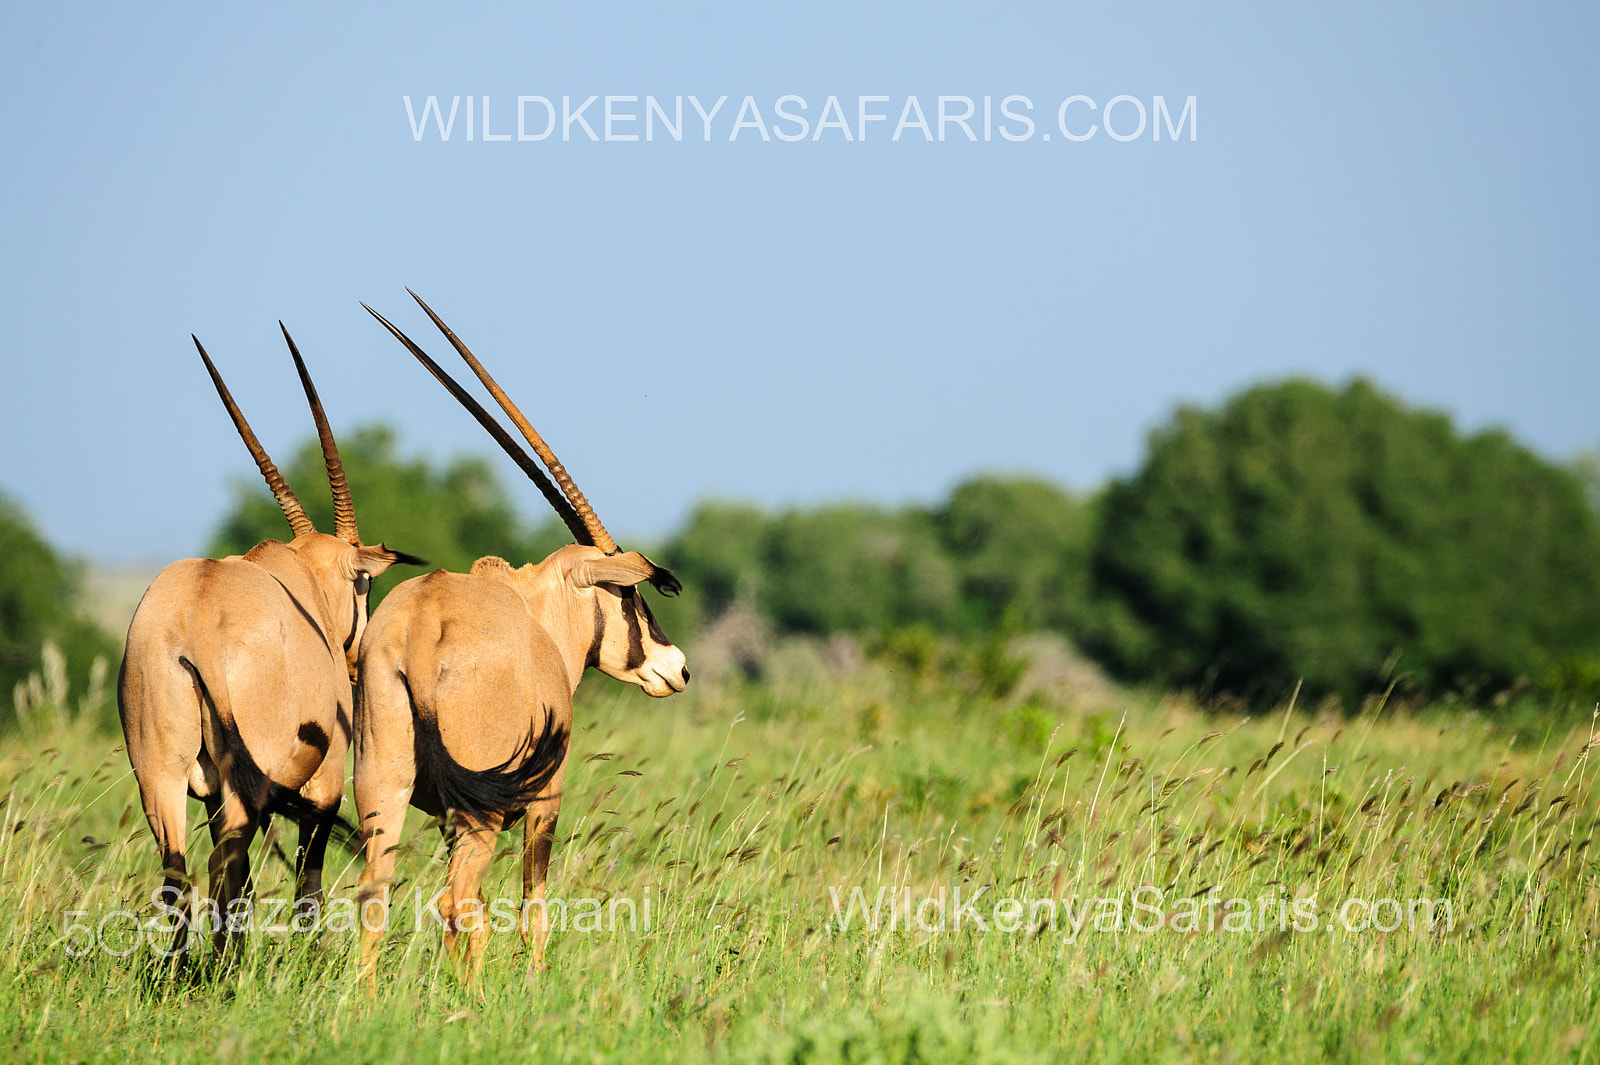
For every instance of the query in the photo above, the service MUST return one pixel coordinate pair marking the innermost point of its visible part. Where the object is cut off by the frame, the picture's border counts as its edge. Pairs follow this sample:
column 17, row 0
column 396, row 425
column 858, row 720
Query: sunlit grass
column 736, row 808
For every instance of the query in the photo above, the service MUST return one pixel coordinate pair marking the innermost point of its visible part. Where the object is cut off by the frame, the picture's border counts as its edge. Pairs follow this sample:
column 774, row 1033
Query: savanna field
column 736, row 807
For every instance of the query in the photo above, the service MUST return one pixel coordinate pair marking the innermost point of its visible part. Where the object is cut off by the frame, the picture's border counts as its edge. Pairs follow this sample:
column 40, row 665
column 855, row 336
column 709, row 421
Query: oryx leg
column 165, row 801
column 538, row 836
column 161, row 709
column 466, row 929
column 380, row 834
column 385, row 775
column 309, row 856
column 324, row 791
column 233, row 825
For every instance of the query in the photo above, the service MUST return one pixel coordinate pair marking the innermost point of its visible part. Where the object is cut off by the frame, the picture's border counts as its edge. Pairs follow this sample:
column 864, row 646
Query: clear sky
column 1401, row 190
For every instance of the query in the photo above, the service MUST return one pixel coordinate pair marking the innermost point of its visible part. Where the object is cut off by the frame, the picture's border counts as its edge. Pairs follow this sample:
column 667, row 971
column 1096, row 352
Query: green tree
column 856, row 568
column 838, row 568
column 1020, row 546
column 38, row 602
column 1303, row 532
column 450, row 516
column 1586, row 468
column 719, row 556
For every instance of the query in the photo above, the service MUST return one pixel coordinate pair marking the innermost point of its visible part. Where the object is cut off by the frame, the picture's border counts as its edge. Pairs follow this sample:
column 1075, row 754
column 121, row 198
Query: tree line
column 1297, row 534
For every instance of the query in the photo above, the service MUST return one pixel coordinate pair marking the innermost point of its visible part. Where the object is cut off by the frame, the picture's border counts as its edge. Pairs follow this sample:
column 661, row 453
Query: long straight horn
column 344, row 511
column 602, row 539
column 280, row 490
column 551, row 494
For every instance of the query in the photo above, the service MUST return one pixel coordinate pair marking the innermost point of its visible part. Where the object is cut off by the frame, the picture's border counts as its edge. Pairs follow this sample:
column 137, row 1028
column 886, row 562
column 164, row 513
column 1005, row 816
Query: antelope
column 236, row 684
column 465, row 704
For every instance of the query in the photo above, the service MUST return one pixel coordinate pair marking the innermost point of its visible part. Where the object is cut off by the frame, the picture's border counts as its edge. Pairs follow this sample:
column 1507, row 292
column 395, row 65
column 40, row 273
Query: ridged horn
column 280, row 489
column 551, row 494
column 344, row 511
column 597, row 531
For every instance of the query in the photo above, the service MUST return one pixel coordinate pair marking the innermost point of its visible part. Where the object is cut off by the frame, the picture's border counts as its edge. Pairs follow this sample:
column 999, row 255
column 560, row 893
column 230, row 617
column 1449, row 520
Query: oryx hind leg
column 165, row 799
column 233, row 823
column 385, row 776
column 162, row 721
column 466, row 928
column 539, row 832
column 381, row 825
column 324, row 792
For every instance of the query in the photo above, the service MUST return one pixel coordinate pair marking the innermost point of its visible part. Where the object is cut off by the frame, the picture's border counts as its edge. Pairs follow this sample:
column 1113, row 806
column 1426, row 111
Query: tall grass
column 735, row 808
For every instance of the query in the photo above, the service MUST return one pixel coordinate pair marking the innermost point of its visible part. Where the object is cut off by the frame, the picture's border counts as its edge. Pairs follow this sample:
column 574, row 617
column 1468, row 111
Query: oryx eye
column 363, row 583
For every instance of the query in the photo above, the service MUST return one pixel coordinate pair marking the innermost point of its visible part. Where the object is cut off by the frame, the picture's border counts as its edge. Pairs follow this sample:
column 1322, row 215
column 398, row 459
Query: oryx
column 465, row 703
column 236, row 684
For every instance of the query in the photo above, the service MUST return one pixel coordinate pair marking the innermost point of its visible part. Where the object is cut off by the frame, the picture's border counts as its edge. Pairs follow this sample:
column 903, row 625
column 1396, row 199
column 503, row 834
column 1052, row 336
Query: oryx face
column 627, row 642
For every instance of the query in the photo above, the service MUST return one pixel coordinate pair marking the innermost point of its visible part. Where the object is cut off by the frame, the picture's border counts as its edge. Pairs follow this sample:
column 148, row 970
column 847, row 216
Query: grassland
column 739, row 806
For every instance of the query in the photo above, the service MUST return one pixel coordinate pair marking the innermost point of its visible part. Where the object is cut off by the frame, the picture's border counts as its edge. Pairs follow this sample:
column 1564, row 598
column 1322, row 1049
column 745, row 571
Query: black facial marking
column 650, row 620
column 630, row 610
column 355, row 606
column 593, row 659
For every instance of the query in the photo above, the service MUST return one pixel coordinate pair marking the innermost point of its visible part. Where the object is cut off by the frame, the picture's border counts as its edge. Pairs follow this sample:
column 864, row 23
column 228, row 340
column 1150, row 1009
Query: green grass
column 739, row 807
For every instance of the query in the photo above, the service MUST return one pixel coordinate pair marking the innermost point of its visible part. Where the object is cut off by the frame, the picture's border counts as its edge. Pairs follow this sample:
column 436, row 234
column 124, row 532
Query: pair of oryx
column 247, row 678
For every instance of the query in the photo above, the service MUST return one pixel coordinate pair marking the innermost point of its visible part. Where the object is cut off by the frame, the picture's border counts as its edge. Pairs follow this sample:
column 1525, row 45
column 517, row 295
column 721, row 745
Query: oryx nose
column 686, row 674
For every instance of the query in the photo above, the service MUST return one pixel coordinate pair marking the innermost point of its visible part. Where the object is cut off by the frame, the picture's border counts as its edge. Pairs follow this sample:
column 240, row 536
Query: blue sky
column 1404, row 191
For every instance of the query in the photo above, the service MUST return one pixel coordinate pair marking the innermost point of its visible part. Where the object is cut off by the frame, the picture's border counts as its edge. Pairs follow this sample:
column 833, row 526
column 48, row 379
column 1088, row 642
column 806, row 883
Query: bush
column 1342, row 538
column 1020, row 549
column 38, row 605
column 1000, row 555
column 841, row 568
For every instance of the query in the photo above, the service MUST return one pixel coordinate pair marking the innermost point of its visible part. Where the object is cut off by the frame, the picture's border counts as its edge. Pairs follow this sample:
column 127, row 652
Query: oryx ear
column 377, row 558
column 628, row 569
column 663, row 580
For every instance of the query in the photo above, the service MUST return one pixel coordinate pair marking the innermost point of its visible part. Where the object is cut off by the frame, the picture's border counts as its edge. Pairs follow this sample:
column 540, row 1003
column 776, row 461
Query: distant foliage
column 1001, row 554
column 450, row 515
column 1342, row 538
column 833, row 569
column 1020, row 549
column 1296, row 533
column 38, row 605
column 1586, row 468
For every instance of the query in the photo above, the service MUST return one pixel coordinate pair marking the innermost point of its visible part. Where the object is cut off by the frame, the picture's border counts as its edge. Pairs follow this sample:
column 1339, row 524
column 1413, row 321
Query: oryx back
column 459, row 663
column 226, row 643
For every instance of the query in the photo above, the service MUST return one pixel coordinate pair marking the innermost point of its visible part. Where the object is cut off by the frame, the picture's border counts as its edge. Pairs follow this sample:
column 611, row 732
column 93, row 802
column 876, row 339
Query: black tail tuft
column 296, row 807
column 263, row 795
column 506, row 788
column 239, row 768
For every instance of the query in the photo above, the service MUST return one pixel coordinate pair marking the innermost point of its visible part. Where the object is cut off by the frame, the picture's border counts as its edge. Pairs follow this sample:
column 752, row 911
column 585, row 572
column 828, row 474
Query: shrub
column 1341, row 537
column 38, row 604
